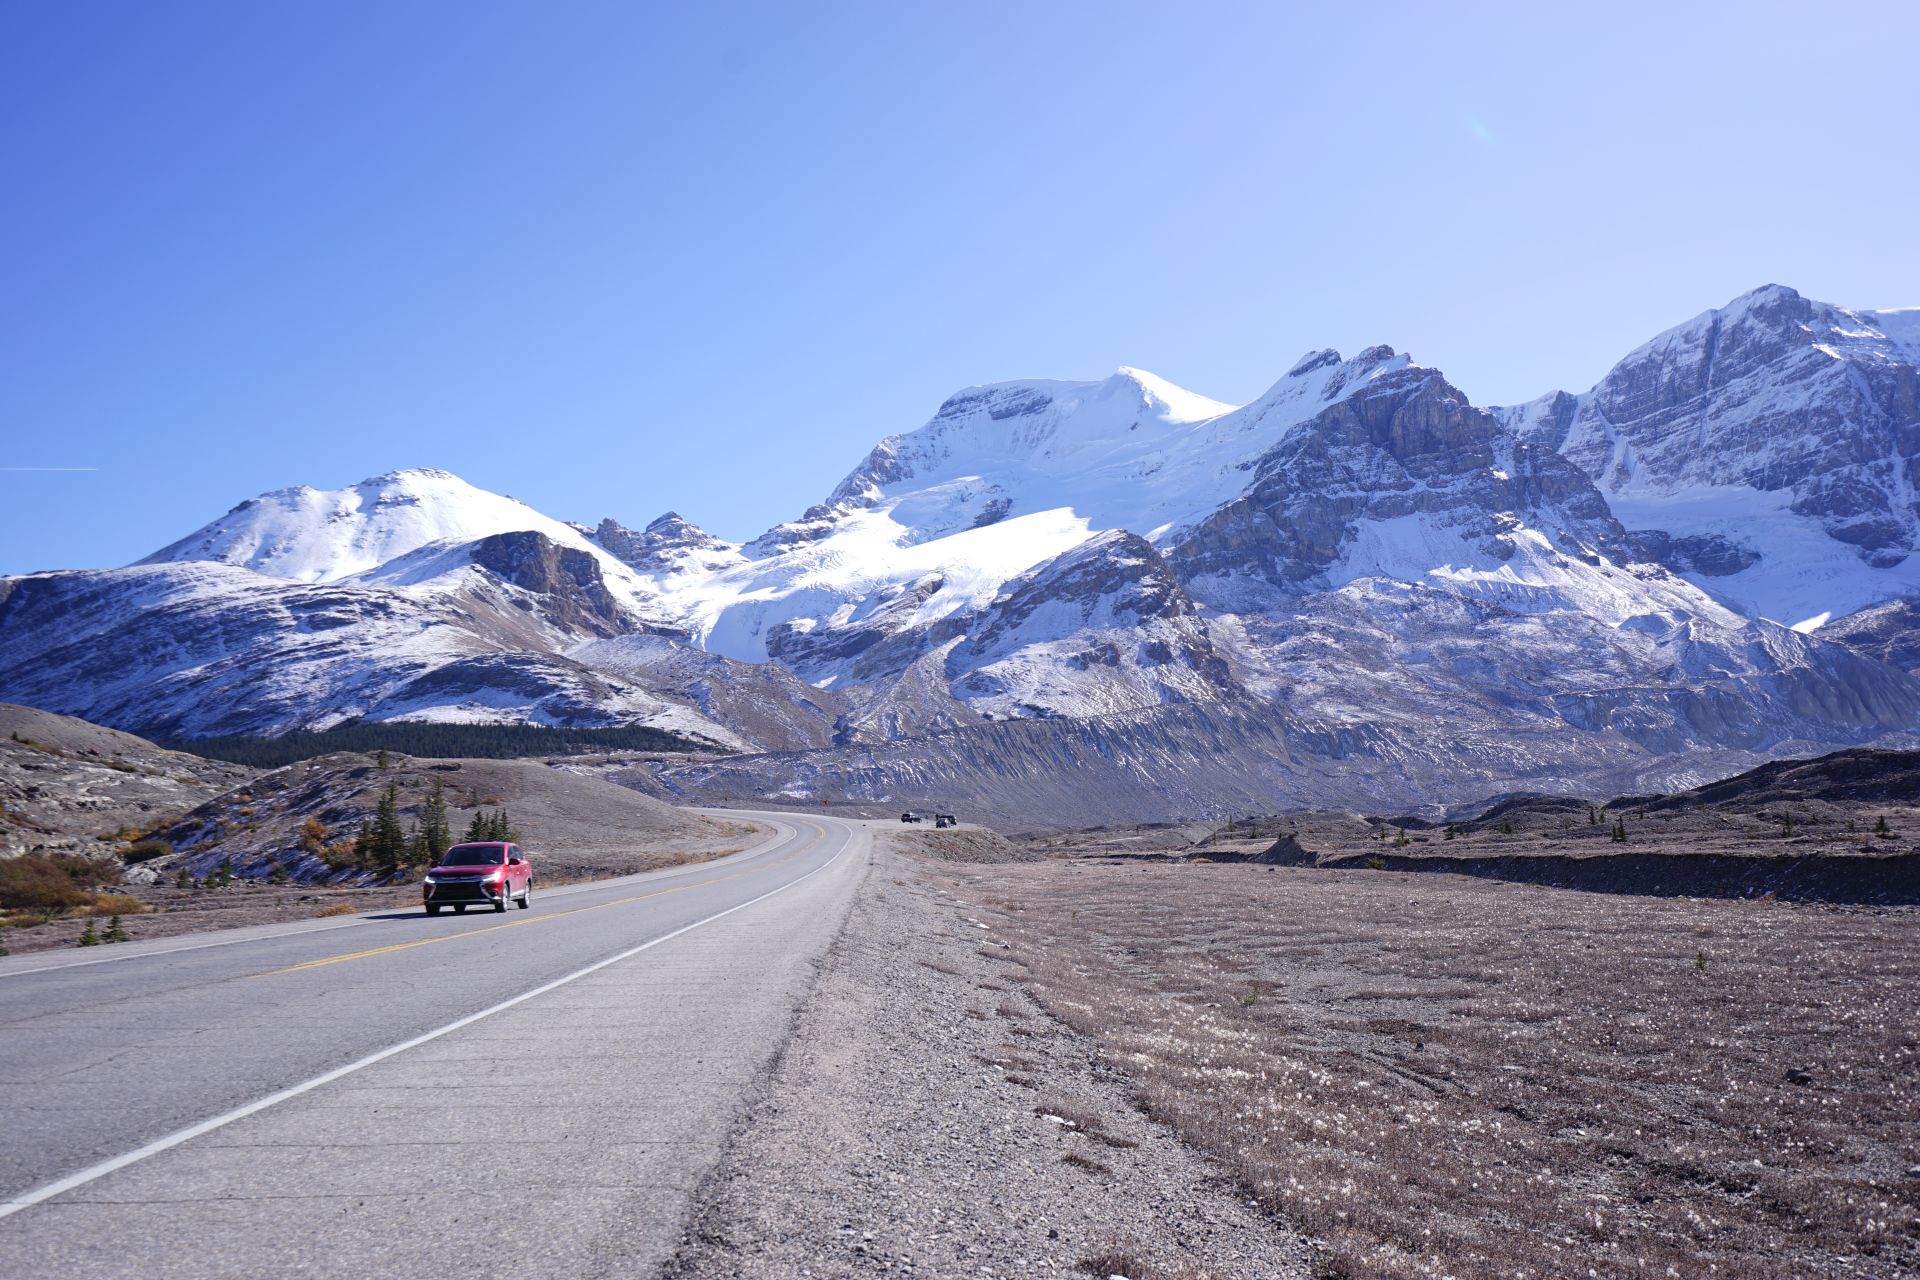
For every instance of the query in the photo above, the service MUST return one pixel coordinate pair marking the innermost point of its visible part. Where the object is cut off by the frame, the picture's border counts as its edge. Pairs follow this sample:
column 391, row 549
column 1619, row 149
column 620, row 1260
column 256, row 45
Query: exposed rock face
column 1104, row 628
column 1889, row 632
column 669, row 544
column 1408, row 446
column 567, row 581
column 1703, row 555
column 1771, row 408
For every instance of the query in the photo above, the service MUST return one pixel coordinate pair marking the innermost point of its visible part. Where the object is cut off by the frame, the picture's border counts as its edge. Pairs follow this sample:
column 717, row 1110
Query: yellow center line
column 539, row 919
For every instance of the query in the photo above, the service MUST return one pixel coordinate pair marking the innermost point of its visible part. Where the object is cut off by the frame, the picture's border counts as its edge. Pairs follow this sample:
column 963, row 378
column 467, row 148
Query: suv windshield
column 474, row 855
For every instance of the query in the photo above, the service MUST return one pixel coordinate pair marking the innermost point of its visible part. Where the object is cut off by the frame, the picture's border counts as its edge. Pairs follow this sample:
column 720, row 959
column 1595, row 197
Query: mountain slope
column 1769, row 450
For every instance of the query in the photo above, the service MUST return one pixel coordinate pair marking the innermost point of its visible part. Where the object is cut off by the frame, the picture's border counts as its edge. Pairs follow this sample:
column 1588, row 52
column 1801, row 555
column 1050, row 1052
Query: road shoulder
column 925, row 1117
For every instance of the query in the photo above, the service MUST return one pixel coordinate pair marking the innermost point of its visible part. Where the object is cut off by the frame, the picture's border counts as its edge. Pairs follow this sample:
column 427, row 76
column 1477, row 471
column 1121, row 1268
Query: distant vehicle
column 483, row 873
column 909, row 817
column 945, row 820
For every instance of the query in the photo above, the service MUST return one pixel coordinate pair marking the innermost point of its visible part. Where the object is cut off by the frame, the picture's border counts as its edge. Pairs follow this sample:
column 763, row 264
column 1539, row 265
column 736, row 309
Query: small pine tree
column 278, row 875
column 477, row 829
column 1506, row 826
column 1786, row 825
column 382, row 759
column 1593, row 816
column 1620, row 831
column 1450, row 831
column 433, row 823
column 116, row 932
column 1400, row 836
column 389, row 837
column 184, row 880
column 88, row 938
column 1881, row 828
column 224, row 876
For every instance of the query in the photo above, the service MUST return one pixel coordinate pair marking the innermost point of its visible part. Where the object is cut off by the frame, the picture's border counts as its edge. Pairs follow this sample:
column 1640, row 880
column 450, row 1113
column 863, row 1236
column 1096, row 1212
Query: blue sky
column 616, row 258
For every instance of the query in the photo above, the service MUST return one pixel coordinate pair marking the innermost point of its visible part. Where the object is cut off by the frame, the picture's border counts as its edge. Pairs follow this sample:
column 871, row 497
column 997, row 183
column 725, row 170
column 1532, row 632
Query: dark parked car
column 945, row 820
column 488, row 873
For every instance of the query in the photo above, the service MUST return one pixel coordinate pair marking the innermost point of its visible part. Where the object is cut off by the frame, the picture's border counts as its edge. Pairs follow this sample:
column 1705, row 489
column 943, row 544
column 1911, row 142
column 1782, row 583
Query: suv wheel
column 433, row 908
column 526, row 896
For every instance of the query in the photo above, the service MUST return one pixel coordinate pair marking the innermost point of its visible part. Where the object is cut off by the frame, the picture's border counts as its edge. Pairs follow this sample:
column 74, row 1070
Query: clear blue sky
column 615, row 258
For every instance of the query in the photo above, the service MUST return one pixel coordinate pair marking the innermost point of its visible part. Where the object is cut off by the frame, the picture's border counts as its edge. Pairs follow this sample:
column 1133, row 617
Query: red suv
column 484, row 873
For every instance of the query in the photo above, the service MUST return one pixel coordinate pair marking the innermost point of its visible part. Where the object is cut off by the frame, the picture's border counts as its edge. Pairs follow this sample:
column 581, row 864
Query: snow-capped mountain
column 1769, row 450
column 324, row 535
column 1360, row 580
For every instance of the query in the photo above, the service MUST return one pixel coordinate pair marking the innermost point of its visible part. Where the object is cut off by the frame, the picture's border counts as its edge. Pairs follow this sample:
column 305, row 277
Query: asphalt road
column 536, row 1093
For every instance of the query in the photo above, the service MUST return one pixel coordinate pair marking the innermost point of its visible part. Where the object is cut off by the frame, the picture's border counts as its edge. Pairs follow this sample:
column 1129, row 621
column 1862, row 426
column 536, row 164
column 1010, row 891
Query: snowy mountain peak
column 1313, row 360
column 669, row 544
column 1771, row 445
column 325, row 535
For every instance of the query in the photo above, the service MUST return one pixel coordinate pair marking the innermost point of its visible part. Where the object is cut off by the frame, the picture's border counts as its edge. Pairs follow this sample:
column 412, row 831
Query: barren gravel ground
column 928, row 1119
column 1443, row 1076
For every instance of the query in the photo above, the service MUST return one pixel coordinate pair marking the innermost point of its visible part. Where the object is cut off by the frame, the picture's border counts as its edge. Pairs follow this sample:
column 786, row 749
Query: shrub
column 46, row 883
column 337, row 909
column 147, row 850
column 104, row 904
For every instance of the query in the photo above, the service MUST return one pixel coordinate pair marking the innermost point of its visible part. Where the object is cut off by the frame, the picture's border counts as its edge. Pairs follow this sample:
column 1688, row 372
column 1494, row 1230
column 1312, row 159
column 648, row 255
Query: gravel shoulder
column 927, row 1118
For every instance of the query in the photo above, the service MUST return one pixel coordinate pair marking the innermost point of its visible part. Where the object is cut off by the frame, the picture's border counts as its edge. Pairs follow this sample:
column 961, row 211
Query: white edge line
column 28, row 1199
column 366, row 917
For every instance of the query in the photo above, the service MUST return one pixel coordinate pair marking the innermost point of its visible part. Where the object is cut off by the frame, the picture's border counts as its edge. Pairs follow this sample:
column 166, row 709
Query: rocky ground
column 1439, row 1075
column 72, row 787
column 928, row 1118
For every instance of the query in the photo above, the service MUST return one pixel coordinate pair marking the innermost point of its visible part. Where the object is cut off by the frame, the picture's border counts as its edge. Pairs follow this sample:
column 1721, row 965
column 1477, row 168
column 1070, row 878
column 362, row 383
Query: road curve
column 536, row 1093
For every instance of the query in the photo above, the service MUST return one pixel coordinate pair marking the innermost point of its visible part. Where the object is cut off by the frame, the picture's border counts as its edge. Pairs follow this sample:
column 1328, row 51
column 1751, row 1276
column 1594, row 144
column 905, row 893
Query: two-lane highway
column 542, row 1088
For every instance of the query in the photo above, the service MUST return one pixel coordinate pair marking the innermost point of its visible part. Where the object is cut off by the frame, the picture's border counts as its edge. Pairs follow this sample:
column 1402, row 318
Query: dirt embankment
column 961, row 844
column 1855, row 839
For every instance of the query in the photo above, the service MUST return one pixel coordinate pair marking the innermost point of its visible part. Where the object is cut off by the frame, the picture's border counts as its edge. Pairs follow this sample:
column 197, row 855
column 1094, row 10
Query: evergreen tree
column 1881, row 828
column 116, row 932
column 278, row 875
column 1450, row 831
column 1620, row 831
column 88, row 938
column 502, row 828
column 1506, row 826
column 224, row 876
column 383, row 759
column 416, row 845
column 184, row 880
column 477, row 829
column 389, row 837
column 1593, row 816
column 433, row 823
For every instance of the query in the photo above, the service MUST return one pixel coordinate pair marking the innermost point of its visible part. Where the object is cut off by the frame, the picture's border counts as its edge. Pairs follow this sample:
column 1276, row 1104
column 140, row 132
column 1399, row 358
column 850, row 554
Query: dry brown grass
column 115, row 904
column 337, row 909
column 1481, row 1079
